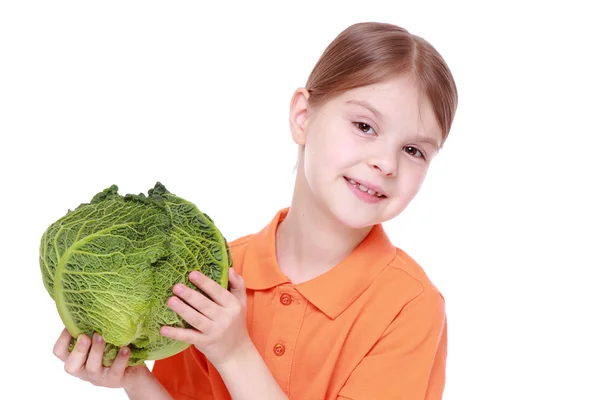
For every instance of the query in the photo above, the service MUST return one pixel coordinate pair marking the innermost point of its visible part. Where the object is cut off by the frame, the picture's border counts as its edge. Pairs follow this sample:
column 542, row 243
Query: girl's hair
column 371, row 52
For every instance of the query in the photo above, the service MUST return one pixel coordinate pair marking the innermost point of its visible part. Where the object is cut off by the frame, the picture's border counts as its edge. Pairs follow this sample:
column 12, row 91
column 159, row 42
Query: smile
column 364, row 188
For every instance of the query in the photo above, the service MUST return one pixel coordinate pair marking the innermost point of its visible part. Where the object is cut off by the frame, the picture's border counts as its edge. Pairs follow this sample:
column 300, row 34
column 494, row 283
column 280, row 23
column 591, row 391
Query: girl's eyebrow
column 430, row 141
column 366, row 105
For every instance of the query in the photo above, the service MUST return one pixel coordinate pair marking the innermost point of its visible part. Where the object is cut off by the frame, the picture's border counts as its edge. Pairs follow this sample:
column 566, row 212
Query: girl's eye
column 413, row 151
column 365, row 128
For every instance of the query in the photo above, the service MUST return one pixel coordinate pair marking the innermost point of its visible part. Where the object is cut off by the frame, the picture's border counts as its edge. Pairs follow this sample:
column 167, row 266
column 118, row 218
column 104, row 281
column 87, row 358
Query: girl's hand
column 85, row 362
column 219, row 320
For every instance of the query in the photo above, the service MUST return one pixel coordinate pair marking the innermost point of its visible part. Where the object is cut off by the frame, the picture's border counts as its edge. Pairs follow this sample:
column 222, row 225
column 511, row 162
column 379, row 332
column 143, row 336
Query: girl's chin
column 357, row 220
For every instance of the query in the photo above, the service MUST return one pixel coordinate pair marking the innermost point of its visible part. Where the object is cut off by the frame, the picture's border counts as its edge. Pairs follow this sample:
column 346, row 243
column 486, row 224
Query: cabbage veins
column 110, row 266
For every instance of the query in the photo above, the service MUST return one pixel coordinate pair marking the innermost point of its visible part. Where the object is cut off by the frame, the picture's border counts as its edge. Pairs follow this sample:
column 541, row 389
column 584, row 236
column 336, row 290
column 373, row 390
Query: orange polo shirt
column 373, row 327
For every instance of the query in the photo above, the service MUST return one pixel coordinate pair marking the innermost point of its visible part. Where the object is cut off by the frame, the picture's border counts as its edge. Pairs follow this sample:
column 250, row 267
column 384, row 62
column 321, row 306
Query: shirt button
column 279, row 349
column 285, row 299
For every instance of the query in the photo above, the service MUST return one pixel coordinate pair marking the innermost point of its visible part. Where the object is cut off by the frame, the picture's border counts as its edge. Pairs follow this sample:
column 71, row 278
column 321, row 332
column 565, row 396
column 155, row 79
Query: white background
column 196, row 95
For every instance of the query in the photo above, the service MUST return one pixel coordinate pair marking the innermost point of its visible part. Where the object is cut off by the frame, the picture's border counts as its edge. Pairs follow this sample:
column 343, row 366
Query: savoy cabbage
column 110, row 266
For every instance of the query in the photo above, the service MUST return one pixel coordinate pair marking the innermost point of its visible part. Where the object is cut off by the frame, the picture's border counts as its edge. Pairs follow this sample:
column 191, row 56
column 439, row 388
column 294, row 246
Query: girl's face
column 365, row 153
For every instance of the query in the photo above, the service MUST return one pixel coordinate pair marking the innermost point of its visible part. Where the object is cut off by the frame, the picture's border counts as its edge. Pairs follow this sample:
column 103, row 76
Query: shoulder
column 405, row 307
column 240, row 243
column 407, row 286
column 413, row 273
column 238, row 248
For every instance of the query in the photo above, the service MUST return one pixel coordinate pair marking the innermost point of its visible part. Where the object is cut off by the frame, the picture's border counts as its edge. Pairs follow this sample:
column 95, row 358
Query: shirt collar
column 331, row 292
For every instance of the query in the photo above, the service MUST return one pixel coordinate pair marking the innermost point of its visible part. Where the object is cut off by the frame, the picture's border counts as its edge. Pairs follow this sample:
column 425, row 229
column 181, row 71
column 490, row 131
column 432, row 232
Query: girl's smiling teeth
column 362, row 187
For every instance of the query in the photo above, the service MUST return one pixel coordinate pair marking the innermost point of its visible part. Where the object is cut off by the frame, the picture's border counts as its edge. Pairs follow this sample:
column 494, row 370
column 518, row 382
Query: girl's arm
column 148, row 387
column 219, row 332
column 247, row 377
column 409, row 360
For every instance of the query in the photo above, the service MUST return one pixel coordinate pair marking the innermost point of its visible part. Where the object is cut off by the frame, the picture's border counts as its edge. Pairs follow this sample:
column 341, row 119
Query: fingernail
column 125, row 350
column 82, row 341
column 194, row 275
column 178, row 289
column 173, row 301
column 98, row 338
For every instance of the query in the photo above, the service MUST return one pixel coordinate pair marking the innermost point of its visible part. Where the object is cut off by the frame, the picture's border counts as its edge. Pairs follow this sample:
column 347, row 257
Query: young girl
column 322, row 305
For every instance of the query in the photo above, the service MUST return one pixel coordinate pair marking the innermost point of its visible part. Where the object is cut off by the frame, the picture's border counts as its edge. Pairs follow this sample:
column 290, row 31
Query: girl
column 322, row 305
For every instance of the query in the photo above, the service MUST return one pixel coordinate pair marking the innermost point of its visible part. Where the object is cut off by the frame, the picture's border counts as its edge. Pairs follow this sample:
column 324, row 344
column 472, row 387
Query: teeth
column 364, row 188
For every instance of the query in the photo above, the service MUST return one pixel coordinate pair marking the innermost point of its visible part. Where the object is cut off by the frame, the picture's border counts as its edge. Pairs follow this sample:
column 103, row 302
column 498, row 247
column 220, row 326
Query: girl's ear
column 298, row 115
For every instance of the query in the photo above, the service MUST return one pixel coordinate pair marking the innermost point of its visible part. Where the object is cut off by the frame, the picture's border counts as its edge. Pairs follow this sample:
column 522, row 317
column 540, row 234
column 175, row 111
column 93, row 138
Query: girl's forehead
column 399, row 88
column 387, row 99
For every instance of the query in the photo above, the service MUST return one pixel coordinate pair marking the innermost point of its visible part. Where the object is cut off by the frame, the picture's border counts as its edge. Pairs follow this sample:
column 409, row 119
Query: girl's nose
column 387, row 167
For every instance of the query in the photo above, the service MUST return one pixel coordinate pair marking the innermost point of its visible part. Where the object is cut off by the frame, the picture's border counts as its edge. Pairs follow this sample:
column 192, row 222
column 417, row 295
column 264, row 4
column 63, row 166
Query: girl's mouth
column 364, row 188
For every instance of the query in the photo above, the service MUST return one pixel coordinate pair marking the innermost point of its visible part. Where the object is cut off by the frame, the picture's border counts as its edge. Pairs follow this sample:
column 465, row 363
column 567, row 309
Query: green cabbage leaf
column 110, row 266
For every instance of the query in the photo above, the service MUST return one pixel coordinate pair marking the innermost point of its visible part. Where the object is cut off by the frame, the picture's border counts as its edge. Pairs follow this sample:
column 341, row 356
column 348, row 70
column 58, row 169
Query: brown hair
column 371, row 52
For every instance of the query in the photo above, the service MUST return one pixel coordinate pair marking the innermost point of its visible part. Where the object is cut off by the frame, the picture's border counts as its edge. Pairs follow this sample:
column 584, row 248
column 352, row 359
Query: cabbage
column 110, row 266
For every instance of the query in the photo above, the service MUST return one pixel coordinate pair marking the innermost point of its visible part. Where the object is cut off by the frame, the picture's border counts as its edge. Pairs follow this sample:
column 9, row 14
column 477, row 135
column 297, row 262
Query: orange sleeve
column 409, row 360
column 185, row 375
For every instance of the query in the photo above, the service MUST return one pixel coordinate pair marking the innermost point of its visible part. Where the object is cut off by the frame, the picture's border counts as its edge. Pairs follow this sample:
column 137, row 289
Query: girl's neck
column 310, row 241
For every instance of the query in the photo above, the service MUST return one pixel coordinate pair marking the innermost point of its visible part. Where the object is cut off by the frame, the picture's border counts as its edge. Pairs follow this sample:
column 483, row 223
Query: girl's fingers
column 117, row 369
column 238, row 287
column 61, row 347
column 78, row 356
column 94, row 365
column 182, row 335
column 215, row 291
column 189, row 314
column 197, row 300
